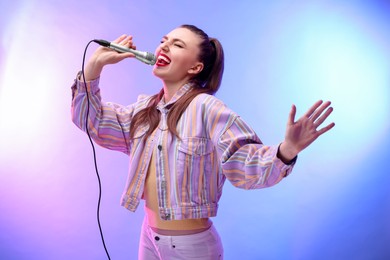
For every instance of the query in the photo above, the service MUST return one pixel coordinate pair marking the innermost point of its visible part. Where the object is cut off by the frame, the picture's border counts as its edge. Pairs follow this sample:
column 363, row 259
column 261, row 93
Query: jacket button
column 159, row 147
column 156, row 238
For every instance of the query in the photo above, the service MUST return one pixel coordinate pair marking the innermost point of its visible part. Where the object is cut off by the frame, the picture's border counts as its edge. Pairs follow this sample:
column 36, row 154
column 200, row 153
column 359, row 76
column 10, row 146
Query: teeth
column 164, row 59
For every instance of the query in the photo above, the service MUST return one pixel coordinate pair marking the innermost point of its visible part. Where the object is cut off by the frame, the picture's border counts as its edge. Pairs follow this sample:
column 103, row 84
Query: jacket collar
column 183, row 90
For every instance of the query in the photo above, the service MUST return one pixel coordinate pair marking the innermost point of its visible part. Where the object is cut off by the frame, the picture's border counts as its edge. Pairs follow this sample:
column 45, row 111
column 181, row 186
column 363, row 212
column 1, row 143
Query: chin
column 158, row 73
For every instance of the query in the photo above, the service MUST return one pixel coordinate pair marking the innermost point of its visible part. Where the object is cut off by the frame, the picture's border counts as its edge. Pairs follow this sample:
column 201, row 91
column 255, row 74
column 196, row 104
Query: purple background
column 335, row 205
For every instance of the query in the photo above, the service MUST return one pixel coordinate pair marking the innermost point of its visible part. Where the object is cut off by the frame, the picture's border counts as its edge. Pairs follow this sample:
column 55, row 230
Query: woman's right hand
column 103, row 56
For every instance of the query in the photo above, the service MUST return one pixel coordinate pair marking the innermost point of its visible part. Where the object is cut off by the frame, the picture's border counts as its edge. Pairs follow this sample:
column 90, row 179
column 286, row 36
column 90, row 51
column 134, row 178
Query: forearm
column 247, row 163
column 255, row 166
column 92, row 70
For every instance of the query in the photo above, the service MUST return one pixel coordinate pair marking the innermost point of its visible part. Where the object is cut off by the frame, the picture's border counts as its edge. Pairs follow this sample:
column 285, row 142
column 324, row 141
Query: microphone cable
column 94, row 153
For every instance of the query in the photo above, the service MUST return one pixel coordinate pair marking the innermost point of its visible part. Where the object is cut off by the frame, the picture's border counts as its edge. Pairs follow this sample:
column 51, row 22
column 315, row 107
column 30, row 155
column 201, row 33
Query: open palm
column 301, row 133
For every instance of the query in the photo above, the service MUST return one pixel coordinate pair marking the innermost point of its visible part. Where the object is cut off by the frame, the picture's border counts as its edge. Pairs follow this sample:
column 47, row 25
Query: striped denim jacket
column 214, row 144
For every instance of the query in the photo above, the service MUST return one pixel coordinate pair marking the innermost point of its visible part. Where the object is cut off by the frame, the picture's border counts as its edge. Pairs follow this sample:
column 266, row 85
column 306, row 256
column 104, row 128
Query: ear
column 197, row 68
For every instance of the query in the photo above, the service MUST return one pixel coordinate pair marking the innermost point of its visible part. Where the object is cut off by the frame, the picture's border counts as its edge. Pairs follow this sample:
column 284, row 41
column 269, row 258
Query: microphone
column 145, row 57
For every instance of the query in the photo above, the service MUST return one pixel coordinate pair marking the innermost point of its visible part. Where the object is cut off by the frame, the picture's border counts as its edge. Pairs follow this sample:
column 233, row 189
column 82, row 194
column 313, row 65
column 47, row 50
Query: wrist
column 286, row 153
column 93, row 69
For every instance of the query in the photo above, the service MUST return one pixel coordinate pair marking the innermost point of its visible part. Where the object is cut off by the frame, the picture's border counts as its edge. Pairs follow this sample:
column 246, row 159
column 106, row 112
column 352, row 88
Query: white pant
column 205, row 245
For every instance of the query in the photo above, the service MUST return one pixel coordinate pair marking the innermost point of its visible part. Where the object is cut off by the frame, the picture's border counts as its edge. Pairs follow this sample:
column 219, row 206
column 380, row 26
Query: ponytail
column 214, row 78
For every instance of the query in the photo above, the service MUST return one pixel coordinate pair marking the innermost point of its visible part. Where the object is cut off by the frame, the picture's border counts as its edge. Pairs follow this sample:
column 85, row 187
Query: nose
column 164, row 46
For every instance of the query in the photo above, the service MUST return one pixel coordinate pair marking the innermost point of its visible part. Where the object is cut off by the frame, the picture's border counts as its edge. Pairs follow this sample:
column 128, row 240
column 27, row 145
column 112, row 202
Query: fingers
column 312, row 109
column 291, row 117
column 315, row 113
column 319, row 111
column 321, row 119
column 120, row 38
column 325, row 129
column 116, row 56
column 318, row 116
column 125, row 40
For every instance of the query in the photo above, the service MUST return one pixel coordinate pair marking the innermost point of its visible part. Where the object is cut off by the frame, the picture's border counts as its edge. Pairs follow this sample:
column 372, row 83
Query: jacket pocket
column 196, row 146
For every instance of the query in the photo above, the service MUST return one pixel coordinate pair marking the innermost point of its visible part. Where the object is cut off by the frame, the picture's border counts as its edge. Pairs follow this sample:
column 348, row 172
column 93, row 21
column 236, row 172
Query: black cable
column 94, row 153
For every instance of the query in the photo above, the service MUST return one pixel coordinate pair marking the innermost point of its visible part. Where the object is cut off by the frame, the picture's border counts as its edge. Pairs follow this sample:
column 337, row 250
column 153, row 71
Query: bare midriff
column 167, row 227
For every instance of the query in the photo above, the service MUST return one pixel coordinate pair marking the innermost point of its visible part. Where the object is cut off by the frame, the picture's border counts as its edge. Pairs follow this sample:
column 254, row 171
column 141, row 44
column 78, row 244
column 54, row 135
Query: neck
column 170, row 88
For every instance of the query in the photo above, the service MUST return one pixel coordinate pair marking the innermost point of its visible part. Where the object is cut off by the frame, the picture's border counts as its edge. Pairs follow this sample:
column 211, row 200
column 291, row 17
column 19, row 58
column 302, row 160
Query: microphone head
column 151, row 58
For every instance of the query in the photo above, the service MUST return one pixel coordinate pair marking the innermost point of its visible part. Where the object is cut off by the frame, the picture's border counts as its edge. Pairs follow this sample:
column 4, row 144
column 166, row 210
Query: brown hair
column 207, row 81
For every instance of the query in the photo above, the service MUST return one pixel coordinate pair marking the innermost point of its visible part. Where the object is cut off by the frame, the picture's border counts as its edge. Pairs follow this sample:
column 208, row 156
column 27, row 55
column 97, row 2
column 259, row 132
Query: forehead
column 184, row 35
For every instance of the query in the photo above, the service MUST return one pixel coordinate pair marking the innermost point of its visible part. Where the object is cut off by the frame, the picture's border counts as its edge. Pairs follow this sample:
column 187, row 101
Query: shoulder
column 208, row 101
column 143, row 98
column 211, row 104
column 216, row 115
column 142, row 101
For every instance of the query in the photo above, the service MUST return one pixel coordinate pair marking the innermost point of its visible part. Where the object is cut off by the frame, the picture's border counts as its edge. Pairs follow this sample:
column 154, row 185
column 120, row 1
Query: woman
column 183, row 143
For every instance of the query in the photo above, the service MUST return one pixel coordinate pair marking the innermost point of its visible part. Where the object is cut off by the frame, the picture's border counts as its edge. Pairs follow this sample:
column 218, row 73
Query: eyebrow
column 175, row 40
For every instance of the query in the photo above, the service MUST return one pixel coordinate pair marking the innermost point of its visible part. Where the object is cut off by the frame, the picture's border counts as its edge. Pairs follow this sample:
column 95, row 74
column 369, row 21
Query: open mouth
column 163, row 60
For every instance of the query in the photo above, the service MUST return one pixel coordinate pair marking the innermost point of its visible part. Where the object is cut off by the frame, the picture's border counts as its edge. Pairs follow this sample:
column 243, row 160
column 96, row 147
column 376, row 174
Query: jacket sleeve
column 108, row 123
column 246, row 162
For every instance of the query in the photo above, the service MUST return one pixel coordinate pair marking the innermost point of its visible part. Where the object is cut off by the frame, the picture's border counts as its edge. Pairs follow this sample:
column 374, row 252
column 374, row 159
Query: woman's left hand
column 300, row 134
